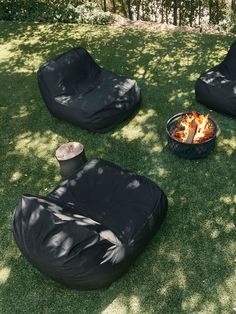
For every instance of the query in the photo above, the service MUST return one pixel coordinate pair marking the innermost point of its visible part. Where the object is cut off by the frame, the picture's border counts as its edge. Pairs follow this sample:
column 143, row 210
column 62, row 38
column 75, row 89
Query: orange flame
column 194, row 128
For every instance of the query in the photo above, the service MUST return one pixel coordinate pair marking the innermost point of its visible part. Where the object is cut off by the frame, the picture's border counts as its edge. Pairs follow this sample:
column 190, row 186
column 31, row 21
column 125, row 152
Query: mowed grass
column 189, row 266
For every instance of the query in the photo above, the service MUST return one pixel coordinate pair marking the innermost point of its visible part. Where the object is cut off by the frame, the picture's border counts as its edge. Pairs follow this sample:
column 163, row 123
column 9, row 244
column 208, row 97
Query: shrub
column 232, row 24
column 67, row 11
column 90, row 13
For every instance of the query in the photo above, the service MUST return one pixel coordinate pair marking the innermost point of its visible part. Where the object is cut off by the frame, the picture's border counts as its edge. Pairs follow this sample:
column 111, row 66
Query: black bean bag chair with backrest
column 216, row 88
column 79, row 91
column 88, row 231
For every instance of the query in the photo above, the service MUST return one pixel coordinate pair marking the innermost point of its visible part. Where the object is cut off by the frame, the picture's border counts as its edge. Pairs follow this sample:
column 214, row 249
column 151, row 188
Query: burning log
column 193, row 128
column 191, row 132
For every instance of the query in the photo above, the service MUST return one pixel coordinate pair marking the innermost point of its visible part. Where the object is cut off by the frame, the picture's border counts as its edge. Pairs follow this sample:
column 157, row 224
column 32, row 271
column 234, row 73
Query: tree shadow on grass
column 188, row 266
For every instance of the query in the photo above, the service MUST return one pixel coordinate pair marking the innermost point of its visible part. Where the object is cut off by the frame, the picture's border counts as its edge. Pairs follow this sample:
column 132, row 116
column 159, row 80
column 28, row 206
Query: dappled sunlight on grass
column 215, row 228
column 228, row 199
column 228, row 145
column 130, row 134
column 41, row 144
column 4, row 274
column 192, row 302
column 22, row 112
column 159, row 171
column 179, row 97
column 122, row 306
column 193, row 77
column 188, row 266
column 224, row 290
column 116, row 306
column 15, row 176
column 138, row 128
column 140, row 72
column 9, row 54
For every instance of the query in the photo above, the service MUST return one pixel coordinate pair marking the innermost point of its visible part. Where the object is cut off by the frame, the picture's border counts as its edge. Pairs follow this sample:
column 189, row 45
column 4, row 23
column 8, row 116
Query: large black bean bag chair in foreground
column 78, row 90
column 216, row 88
column 89, row 230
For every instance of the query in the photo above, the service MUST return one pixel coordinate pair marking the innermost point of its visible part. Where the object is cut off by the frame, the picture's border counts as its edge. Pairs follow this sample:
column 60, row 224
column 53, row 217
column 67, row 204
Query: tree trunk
column 162, row 11
column 175, row 12
column 199, row 13
column 167, row 13
column 217, row 15
column 129, row 3
column 233, row 7
column 123, row 8
column 155, row 11
column 113, row 6
column 138, row 9
column 191, row 13
column 210, row 11
column 180, row 14
column 105, row 5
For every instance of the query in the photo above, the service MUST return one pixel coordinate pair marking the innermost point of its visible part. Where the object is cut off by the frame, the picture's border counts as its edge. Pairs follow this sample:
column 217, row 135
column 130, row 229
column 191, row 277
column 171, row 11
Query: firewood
column 191, row 133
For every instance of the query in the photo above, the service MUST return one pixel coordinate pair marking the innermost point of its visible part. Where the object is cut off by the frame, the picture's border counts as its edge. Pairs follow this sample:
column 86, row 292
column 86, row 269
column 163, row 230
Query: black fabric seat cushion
column 76, row 89
column 88, row 231
column 216, row 88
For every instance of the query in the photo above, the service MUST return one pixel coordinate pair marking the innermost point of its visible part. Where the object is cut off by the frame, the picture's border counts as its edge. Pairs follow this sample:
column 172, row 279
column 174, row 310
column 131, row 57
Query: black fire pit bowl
column 186, row 150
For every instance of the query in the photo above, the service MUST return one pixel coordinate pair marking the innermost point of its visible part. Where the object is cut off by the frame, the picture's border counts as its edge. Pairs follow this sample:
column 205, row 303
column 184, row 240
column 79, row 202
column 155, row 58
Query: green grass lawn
column 189, row 265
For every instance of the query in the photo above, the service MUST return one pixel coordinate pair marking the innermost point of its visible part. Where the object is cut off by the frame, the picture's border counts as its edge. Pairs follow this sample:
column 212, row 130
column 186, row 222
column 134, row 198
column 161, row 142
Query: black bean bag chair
column 76, row 89
column 216, row 88
column 89, row 230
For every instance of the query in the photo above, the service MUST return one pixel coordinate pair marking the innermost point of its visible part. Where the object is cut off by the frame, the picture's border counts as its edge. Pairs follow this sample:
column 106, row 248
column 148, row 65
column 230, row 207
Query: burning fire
column 194, row 128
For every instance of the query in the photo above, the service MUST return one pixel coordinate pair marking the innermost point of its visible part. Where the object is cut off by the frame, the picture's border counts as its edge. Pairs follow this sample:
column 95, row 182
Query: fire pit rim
column 216, row 133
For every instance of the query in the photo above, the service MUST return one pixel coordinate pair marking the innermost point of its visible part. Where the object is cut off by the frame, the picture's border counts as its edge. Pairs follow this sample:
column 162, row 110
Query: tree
column 177, row 12
column 175, row 7
column 129, row 4
column 114, row 6
column 233, row 7
column 105, row 5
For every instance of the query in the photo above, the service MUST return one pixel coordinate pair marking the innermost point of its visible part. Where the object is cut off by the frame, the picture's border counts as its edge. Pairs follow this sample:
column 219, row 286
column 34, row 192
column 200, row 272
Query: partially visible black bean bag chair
column 76, row 89
column 89, row 230
column 216, row 88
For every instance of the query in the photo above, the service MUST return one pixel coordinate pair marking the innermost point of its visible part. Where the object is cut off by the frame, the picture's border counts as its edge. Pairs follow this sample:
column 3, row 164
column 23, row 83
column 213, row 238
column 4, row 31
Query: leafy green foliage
column 232, row 24
column 204, row 13
column 90, row 13
column 34, row 10
column 70, row 11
